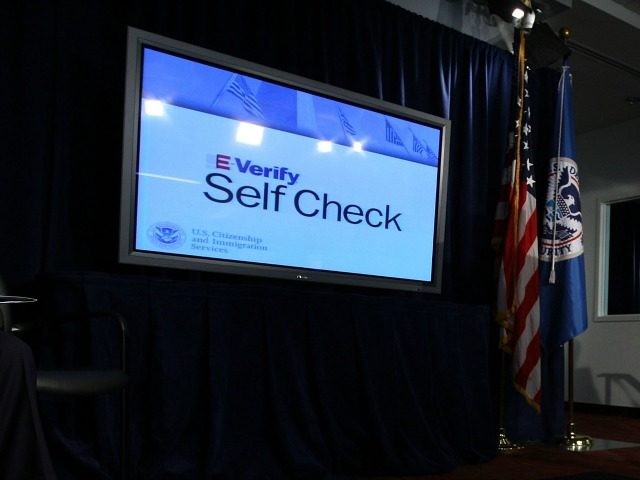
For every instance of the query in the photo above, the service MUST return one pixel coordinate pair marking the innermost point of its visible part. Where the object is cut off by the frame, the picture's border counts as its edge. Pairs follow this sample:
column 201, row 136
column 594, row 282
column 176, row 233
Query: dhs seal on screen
column 166, row 235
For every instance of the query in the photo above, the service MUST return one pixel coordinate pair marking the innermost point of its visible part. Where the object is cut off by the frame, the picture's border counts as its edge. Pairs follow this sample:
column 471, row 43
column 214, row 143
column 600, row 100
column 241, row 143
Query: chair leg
column 123, row 436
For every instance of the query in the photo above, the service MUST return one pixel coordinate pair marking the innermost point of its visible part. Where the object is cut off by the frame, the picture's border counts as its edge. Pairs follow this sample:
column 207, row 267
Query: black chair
column 72, row 381
column 92, row 381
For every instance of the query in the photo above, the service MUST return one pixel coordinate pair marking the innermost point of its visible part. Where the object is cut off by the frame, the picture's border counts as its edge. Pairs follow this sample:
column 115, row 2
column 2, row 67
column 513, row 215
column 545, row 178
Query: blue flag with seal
column 562, row 291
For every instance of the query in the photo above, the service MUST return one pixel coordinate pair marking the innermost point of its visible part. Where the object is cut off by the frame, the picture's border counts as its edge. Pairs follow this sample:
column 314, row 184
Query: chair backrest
column 83, row 380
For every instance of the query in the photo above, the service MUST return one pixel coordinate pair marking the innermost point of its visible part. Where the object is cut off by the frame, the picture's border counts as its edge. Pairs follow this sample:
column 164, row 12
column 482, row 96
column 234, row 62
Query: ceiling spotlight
column 519, row 14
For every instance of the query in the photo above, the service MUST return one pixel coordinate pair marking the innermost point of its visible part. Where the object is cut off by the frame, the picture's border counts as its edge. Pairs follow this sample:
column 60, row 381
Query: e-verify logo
column 226, row 162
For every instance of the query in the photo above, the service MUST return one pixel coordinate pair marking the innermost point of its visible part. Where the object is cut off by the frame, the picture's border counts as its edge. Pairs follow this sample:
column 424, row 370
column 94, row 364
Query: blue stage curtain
column 249, row 378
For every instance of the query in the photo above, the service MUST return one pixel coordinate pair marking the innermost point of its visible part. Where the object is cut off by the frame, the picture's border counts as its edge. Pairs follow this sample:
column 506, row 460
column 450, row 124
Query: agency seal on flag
column 167, row 235
column 562, row 223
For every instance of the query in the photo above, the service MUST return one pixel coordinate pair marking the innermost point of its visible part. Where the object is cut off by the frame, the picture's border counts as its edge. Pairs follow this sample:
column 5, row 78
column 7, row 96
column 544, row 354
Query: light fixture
column 249, row 133
column 519, row 14
column 324, row 146
column 154, row 108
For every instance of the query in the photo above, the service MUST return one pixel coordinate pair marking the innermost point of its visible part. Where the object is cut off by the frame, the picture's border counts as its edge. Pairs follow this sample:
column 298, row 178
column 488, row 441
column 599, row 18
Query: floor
column 615, row 450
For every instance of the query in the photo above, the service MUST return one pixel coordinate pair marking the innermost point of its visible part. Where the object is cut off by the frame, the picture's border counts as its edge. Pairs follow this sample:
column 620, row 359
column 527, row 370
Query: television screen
column 237, row 168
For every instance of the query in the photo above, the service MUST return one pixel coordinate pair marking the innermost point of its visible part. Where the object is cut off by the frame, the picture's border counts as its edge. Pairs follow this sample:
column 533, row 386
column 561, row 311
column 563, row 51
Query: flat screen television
column 233, row 167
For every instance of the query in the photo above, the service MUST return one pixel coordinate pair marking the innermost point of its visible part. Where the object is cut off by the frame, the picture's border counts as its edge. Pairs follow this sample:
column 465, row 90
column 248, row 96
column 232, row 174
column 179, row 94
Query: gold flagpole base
column 577, row 443
column 505, row 445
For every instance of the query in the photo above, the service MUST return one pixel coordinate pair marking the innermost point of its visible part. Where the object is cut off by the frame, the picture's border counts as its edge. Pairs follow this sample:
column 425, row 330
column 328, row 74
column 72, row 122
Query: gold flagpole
column 505, row 445
column 573, row 441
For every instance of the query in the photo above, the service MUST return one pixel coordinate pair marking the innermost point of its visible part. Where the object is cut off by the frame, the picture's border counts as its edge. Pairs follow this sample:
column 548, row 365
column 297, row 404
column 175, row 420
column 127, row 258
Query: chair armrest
column 80, row 382
column 75, row 317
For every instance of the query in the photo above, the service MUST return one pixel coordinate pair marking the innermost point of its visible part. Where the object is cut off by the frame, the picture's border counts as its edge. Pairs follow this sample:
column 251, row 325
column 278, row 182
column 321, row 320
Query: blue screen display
column 243, row 169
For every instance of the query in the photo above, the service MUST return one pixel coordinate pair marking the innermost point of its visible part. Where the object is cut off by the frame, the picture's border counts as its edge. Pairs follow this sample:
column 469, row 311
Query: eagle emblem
column 166, row 235
column 562, row 221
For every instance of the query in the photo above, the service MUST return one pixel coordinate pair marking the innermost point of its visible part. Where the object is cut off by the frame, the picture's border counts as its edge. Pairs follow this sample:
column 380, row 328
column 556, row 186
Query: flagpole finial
column 564, row 33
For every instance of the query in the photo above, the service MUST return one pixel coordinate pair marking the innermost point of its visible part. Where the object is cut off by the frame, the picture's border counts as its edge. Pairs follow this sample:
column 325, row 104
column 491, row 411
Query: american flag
column 347, row 128
column 391, row 135
column 423, row 149
column 518, row 306
column 239, row 88
column 418, row 147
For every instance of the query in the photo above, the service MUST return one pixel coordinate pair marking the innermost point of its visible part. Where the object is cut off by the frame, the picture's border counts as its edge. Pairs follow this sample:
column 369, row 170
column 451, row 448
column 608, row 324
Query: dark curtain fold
column 239, row 377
